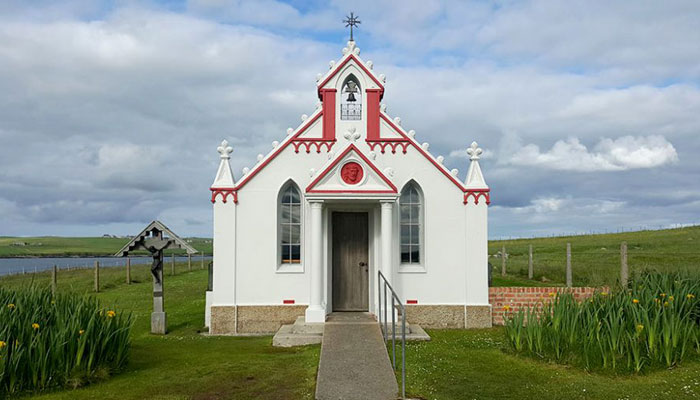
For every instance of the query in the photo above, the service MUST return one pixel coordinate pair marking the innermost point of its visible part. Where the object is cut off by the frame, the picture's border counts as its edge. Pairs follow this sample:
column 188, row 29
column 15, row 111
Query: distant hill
column 596, row 258
column 47, row 246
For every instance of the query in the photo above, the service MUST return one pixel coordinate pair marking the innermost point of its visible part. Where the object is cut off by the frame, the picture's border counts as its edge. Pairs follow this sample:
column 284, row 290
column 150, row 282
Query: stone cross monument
column 155, row 238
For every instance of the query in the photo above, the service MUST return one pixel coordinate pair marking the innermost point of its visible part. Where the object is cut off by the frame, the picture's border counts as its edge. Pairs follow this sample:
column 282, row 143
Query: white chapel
column 344, row 196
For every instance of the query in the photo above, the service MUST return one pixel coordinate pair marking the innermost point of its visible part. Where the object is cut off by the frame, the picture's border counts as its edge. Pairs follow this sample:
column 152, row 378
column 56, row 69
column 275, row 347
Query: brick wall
column 520, row 297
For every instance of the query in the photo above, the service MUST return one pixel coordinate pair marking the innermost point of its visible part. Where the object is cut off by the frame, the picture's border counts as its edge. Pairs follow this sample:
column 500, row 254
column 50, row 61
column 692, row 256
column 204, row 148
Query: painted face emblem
column 351, row 173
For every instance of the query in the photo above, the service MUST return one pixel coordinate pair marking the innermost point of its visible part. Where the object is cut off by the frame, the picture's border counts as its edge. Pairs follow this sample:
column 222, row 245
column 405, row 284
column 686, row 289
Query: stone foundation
column 449, row 316
column 231, row 320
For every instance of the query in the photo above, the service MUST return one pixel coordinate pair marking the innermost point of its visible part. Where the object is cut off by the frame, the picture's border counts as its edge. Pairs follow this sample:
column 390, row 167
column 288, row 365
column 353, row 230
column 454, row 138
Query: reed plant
column 654, row 322
column 53, row 341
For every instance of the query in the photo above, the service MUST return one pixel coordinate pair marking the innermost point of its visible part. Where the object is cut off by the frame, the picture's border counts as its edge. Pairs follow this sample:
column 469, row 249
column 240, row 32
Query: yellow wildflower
column 111, row 314
column 2, row 344
column 665, row 303
column 35, row 325
column 690, row 296
column 657, row 301
column 635, row 301
column 662, row 295
column 639, row 328
column 11, row 306
column 552, row 294
column 80, row 332
column 603, row 293
column 670, row 298
column 506, row 308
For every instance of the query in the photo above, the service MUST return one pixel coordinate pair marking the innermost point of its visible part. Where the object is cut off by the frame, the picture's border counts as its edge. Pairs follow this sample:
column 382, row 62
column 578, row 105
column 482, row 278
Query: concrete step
column 414, row 332
column 301, row 327
column 285, row 337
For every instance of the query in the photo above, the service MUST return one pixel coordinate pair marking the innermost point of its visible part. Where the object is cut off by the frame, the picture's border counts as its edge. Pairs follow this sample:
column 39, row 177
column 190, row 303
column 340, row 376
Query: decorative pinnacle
column 474, row 152
column 351, row 21
column 225, row 150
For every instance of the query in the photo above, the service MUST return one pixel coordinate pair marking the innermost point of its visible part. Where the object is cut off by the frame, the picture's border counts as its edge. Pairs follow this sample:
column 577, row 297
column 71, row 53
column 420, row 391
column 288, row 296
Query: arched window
column 290, row 225
column 411, row 205
column 351, row 99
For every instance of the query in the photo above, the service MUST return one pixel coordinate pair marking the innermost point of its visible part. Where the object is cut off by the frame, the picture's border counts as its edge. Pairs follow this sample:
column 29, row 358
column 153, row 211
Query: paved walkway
column 354, row 361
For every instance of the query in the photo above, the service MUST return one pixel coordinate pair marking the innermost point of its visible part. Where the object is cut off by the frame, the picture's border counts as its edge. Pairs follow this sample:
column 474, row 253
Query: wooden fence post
column 172, row 264
column 503, row 261
column 97, row 276
column 54, row 285
column 128, row 270
column 202, row 260
column 569, row 279
column 189, row 262
column 624, row 271
column 530, row 269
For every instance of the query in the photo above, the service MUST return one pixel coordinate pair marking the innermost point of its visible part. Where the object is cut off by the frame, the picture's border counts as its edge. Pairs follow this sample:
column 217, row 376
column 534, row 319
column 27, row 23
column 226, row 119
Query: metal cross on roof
column 351, row 21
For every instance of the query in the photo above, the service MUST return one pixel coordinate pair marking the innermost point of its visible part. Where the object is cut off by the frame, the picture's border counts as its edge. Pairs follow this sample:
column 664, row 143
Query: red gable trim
column 420, row 150
column 341, row 65
column 278, row 151
column 352, row 147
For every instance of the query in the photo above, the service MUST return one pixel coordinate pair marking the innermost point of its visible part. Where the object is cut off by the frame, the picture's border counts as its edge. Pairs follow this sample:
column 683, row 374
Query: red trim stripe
column 288, row 301
column 411, row 301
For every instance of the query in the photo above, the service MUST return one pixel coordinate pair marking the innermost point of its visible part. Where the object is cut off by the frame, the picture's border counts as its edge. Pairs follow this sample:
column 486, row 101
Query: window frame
column 289, row 267
column 413, row 267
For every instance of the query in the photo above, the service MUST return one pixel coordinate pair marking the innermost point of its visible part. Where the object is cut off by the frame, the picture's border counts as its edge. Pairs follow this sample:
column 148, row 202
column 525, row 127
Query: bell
column 351, row 97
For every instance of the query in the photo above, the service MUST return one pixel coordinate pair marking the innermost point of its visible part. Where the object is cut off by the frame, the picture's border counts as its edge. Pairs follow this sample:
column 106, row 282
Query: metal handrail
column 383, row 283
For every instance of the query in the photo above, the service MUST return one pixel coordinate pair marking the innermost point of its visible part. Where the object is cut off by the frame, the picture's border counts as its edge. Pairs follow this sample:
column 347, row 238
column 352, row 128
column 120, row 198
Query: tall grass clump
column 52, row 341
column 653, row 323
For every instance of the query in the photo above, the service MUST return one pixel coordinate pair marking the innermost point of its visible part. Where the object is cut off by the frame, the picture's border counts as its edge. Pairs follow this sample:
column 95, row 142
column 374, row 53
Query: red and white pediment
column 351, row 172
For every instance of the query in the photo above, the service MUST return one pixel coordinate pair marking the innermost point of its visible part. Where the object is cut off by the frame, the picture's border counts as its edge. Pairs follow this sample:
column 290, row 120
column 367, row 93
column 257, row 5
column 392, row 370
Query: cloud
column 620, row 154
column 110, row 113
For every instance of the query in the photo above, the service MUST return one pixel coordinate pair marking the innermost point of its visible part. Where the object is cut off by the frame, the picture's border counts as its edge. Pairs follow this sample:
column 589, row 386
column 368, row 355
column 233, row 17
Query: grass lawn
column 46, row 246
column 185, row 364
column 459, row 364
column 454, row 365
column 596, row 258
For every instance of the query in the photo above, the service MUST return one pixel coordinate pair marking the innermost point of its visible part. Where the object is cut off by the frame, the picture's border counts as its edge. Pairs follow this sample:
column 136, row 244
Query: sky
column 111, row 111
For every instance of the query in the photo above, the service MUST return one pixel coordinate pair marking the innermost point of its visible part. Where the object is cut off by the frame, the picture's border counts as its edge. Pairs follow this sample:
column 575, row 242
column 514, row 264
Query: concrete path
column 354, row 361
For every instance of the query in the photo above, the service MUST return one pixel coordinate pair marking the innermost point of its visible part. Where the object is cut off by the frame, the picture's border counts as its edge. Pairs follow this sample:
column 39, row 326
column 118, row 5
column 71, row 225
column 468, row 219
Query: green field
column 184, row 364
column 456, row 364
column 596, row 258
column 47, row 246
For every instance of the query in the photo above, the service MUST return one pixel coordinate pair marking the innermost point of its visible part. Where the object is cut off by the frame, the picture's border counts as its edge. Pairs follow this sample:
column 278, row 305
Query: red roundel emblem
column 352, row 173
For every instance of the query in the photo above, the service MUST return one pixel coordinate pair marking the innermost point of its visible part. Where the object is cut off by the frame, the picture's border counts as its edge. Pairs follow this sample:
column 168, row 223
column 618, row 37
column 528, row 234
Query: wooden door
column 350, row 261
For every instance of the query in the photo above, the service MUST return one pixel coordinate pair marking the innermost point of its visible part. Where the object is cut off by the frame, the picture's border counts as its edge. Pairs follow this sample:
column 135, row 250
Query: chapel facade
column 345, row 195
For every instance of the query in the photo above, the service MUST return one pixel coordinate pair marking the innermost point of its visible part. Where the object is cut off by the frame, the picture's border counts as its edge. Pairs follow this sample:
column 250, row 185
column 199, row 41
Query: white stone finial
column 383, row 107
column 382, row 78
column 290, row 131
column 370, row 64
column 319, row 76
column 260, row 157
column 412, row 133
column 425, row 146
column 440, row 159
column 331, row 64
column 312, row 171
column 246, row 170
column 397, row 121
column 224, row 149
column 454, row 172
column 275, row 144
column 474, row 152
column 304, row 117
column 475, row 179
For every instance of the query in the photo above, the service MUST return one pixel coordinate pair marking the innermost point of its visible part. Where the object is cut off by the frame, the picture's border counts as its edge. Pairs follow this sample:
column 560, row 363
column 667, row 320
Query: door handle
column 363, row 264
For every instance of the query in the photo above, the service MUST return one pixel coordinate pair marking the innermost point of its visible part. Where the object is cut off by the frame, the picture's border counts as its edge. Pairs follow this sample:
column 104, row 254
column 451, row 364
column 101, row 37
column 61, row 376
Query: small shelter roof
column 146, row 239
